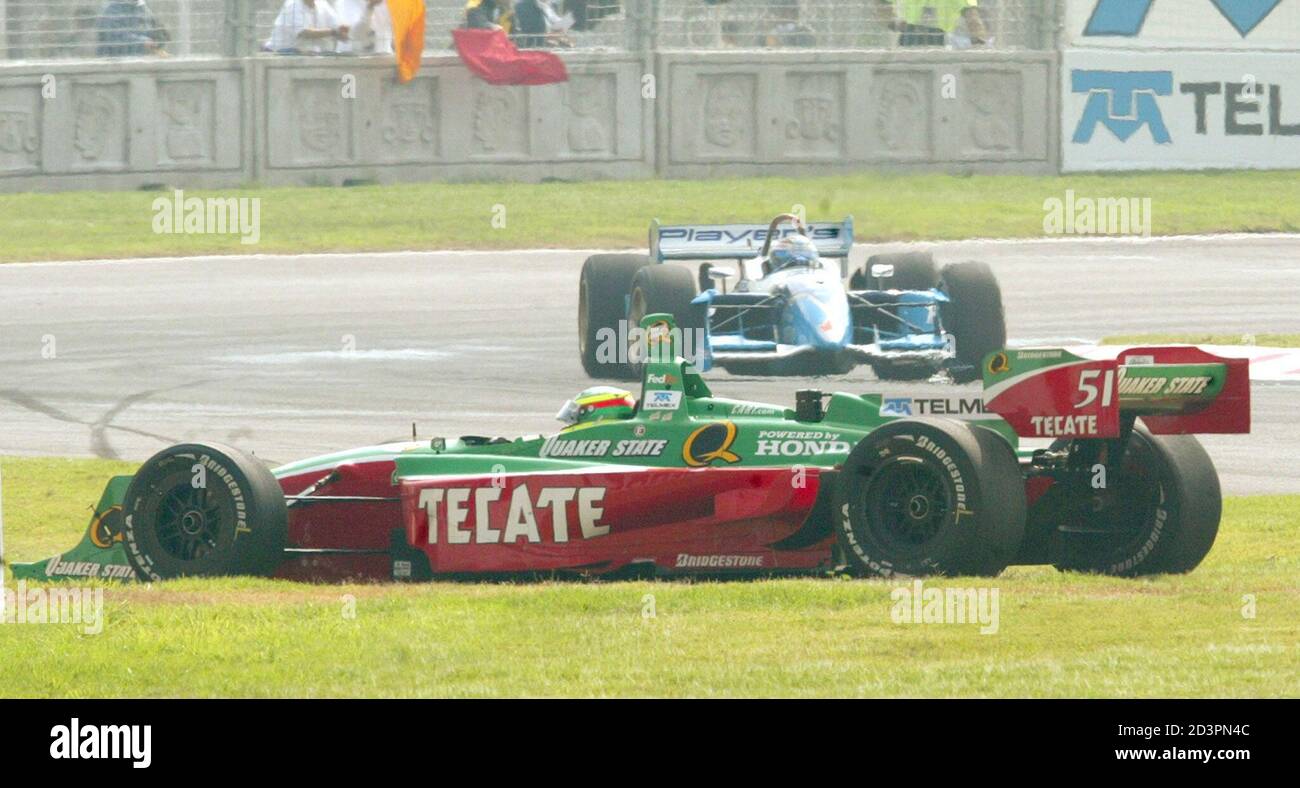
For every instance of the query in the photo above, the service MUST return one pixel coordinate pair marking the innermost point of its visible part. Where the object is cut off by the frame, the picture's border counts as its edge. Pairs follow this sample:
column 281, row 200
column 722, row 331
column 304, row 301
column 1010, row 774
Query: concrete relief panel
column 410, row 129
column 902, row 102
column 591, row 116
column 100, row 131
column 187, row 123
column 286, row 120
column 500, row 122
column 726, row 116
column 20, row 129
column 812, row 116
column 320, row 125
column 993, row 114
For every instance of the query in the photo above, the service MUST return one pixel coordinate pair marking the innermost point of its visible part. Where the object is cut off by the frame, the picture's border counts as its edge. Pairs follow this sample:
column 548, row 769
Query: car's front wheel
column 669, row 289
column 203, row 509
column 902, row 271
column 889, row 369
column 973, row 316
column 602, row 305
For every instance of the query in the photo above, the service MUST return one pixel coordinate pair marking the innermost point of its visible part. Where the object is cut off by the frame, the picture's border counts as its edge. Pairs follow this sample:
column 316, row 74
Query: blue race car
column 789, row 310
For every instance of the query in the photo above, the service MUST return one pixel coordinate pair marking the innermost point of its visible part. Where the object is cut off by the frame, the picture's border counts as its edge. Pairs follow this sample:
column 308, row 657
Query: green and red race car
column 682, row 482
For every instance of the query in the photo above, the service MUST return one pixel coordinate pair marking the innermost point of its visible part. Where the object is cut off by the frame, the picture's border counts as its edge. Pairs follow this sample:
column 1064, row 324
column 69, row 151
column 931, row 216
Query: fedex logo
column 1126, row 17
column 483, row 515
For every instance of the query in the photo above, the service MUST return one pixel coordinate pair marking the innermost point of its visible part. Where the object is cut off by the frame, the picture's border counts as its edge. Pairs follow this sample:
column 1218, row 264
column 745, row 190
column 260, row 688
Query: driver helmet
column 598, row 403
column 793, row 249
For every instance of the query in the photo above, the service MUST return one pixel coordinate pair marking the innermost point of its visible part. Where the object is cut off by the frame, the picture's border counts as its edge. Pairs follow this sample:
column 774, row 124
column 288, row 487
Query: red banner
column 491, row 55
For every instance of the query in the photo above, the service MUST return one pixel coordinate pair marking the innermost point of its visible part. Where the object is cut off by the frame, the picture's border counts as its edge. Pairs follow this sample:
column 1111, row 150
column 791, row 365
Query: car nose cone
column 823, row 321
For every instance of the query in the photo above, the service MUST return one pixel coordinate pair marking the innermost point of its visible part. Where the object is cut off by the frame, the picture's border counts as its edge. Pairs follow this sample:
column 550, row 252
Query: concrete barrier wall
column 97, row 125
column 742, row 113
column 222, row 122
column 447, row 125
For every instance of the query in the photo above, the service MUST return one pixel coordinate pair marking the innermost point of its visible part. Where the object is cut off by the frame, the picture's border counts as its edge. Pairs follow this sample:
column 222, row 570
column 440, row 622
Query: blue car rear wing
column 740, row 241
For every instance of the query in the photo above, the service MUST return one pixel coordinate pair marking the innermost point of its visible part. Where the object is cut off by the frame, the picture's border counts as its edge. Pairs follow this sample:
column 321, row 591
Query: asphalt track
column 293, row 356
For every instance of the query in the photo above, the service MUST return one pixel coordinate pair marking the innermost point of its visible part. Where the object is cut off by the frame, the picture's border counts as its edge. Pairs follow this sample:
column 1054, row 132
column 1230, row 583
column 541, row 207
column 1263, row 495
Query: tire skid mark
column 99, row 443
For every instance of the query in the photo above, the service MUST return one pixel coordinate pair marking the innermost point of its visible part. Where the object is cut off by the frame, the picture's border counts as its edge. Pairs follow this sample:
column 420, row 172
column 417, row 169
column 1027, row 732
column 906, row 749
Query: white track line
column 307, row 256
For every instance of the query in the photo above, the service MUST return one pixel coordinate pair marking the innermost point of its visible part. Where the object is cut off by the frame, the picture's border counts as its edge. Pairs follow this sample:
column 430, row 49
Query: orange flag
column 408, row 35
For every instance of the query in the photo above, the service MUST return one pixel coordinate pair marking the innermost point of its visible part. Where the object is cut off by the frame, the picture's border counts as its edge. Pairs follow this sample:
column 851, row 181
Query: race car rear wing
column 740, row 241
column 1052, row 393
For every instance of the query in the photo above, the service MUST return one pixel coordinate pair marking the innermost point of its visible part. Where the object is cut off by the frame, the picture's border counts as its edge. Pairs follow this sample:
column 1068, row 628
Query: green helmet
column 598, row 403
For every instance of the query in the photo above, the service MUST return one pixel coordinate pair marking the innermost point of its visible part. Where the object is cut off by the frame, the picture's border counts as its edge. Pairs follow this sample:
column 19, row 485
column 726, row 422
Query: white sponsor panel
column 1128, row 110
column 952, row 407
column 1157, row 24
column 662, row 400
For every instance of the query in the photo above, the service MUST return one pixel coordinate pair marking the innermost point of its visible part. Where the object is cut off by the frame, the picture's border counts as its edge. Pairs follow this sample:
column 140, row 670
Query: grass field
column 76, row 225
column 1263, row 340
column 1058, row 635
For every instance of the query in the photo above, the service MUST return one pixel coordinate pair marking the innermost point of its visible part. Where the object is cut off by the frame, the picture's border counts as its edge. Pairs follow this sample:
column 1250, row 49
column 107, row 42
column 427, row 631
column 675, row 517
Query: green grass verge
column 1059, row 634
column 1263, row 340
column 77, row 225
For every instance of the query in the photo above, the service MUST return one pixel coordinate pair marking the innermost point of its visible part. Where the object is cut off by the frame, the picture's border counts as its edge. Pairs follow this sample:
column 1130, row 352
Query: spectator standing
column 536, row 24
column 370, row 28
column 127, row 28
column 928, row 23
column 306, row 26
column 586, row 13
column 789, row 30
column 489, row 15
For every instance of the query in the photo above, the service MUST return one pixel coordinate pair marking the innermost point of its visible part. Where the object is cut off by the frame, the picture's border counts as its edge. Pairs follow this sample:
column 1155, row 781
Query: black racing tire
column 973, row 315
column 704, row 278
column 804, row 365
column 603, row 289
column 887, row 369
column 912, row 271
column 930, row 496
column 1161, row 518
column 229, row 519
column 669, row 288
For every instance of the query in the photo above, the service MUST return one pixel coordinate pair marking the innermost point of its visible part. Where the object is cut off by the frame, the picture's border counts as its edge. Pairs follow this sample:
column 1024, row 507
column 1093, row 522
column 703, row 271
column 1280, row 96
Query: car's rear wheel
column 203, row 509
column 1161, row 515
column 911, row 271
column 973, row 316
column 602, row 302
column 670, row 289
column 930, row 497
